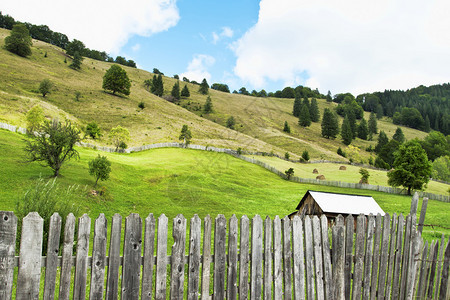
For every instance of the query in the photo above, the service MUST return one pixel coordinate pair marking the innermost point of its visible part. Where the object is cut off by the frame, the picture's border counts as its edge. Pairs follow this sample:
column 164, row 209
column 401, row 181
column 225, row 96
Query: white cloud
column 136, row 47
column 348, row 45
column 198, row 68
column 226, row 32
column 100, row 24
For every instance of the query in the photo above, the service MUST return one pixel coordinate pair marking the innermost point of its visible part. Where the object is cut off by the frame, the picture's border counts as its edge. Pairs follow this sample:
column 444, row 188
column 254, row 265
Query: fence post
column 277, row 260
column 339, row 250
column 161, row 258
column 220, row 235
column 359, row 257
column 84, row 230
column 232, row 258
column 177, row 261
column 298, row 257
column 8, row 232
column 287, row 257
column 257, row 256
column 112, row 283
column 30, row 257
column 149, row 261
column 268, row 258
column 328, row 282
column 349, row 234
column 423, row 211
column 194, row 257
column 52, row 256
column 98, row 258
column 66, row 261
column 443, row 290
column 206, row 263
column 244, row 258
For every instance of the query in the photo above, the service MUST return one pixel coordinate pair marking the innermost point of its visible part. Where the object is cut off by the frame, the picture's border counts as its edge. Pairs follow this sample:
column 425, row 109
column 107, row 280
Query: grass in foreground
column 179, row 181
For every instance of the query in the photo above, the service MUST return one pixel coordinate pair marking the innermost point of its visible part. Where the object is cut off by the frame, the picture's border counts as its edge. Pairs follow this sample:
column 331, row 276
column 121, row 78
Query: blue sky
column 343, row 46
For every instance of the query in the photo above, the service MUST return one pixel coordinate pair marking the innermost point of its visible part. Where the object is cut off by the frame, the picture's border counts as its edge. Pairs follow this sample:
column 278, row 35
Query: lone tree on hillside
column 100, row 167
column 19, row 41
column 53, row 145
column 76, row 62
column 204, row 86
column 185, row 135
column 289, row 173
column 35, row 117
column 412, row 169
column 176, row 90
column 116, row 80
column 119, row 137
column 231, row 122
column 185, row 92
column 208, row 105
column 157, row 85
column 330, row 124
column 45, row 87
column 287, row 128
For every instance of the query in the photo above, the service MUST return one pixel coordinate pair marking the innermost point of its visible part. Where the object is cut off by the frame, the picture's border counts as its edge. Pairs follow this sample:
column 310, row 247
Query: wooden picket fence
column 381, row 258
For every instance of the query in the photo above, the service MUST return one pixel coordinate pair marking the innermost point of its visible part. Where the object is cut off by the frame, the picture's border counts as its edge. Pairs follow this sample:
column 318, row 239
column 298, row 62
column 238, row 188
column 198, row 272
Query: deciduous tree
column 119, row 136
column 100, row 167
column 116, row 80
column 19, row 40
column 45, row 87
column 185, row 135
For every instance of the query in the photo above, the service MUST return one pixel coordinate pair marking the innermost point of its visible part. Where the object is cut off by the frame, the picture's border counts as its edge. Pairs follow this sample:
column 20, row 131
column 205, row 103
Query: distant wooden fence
column 380, row 188
column 381, row 258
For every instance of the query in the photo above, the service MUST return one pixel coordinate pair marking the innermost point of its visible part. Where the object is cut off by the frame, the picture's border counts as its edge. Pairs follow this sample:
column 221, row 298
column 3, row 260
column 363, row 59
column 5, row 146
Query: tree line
column 45, row 34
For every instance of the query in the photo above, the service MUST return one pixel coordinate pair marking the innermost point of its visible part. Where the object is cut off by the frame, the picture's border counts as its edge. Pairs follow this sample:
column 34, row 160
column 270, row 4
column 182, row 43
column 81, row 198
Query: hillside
column 259, row 121
column 174, row 181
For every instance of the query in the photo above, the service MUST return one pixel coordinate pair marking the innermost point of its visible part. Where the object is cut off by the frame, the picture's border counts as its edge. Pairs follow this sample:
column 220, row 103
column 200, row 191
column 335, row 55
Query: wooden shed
column 333, row 204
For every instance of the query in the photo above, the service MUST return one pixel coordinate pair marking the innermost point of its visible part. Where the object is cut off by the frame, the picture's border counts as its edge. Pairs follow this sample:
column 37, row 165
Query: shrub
column 287, row 156
column 141, row 105
column 305, row 155
column 93, row 130
column 340, row 152
column 100, row 167
column 364, row 175
column 46, row 198
column 77, row 96
column 239, row 151
column 289, row 173
column 231, row 122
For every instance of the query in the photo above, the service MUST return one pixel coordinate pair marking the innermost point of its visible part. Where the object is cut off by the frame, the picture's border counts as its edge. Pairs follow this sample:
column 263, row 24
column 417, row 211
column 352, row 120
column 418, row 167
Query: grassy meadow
column 174, row 181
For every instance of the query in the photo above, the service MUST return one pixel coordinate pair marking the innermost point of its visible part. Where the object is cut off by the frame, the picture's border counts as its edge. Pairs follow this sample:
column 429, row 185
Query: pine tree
column 204, row 86
column 346, row 132
column 363, row 131
column 330, row 124
column 314, row 111
column 176, row 90
column 76, row 62
column 399, row 136
column 185, row 92
column 352, row 120
column 208, row 105
column 382, row 140
column 286, row 128
column 157, row 85
column 304, row 119
column 427, row 127
column 297, row 107
column 329, row 98
column 373, row 127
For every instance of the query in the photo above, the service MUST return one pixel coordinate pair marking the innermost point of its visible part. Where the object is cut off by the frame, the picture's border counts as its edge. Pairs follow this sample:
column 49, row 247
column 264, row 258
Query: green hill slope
column 259, row 120
column 174, row 181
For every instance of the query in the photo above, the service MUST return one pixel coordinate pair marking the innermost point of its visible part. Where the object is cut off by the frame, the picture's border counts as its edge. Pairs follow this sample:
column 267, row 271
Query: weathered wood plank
column 392, row 245
column 398, row 257
column 287, row 257
column 51, row 264
column 416, row 244
column 177, row 264
column 433, row 259
column 8, row 233
column 30, row 257
column 66, row 260
column 232, row 258
column 194, row 257
column 317, row 239
column 84, row 230
column 368, row 256
column 327, row 270
column 423, row 272
column 267, row 290
column 443, row 290
column 298, row 258
column 439, row 267
column 161, row 259
column 277, row 260
column 132, row 249
column 98, row 258
column 257, row 256
column 423, row 211
column 414, row 204
column 375, row 257
column 309, row 258
column 359, row 257
column 220, row 235
column 383, row 257
column 339, row 260
column 349, row 235
column 149, row 261
column 206, row 262
column 406, row 254
column 112, row 282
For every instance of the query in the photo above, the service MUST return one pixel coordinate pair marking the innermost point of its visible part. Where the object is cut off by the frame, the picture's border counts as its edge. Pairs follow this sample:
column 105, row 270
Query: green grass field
column 174, row 181
column 332, row 173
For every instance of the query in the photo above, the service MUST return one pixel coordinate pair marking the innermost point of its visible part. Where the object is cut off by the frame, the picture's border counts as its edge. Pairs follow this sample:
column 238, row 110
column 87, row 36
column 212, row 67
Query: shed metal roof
column 344, row 204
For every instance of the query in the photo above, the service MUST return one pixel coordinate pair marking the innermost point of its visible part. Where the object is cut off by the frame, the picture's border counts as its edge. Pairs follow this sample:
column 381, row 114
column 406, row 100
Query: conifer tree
column 204, row 86
column 399, row 136
column 373, row 127
column 314, row 111
column 176, row 90
column 297, row 107
column 208, row 105
column 352, row 120
column 346, row 132
column 382, row 140
column 304, row 119
column 286, row 128
column 157, row 85
column 363, row 131
column 76, row 62
column 330, row 124
column 329, row 98
column 185, row 92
